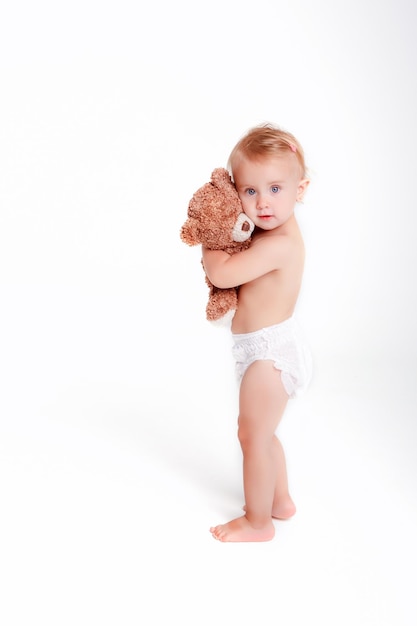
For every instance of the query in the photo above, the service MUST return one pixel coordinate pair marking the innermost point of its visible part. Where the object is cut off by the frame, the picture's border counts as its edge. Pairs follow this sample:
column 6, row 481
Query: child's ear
column 302, row 188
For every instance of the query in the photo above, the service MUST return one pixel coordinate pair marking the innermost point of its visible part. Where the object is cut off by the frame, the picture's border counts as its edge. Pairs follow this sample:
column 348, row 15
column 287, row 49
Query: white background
column 118, row 404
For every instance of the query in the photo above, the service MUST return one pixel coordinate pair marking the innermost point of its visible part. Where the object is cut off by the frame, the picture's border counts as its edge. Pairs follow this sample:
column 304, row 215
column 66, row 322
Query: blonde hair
column 267, row 140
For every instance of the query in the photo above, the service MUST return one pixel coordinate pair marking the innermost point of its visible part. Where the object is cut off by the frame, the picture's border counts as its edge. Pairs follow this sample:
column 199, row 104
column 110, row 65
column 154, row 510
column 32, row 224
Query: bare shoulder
column 283, row 245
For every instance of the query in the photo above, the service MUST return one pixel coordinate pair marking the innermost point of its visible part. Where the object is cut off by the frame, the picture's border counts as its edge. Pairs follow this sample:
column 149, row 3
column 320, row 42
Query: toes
column 216, row 531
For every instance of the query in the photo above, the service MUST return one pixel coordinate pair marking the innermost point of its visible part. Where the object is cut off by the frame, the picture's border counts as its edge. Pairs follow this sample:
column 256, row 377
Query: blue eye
column 275, row 189
column 250, row 192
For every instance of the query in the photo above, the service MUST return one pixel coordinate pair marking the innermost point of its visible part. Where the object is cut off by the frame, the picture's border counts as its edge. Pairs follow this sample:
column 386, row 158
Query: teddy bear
column 216, row 220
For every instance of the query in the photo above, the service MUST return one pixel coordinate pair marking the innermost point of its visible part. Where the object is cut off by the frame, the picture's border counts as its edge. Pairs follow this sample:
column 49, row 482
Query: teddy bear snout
column 243, row 228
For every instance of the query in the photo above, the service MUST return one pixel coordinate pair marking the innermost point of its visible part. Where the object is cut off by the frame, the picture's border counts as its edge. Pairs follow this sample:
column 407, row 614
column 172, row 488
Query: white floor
column 109, row 486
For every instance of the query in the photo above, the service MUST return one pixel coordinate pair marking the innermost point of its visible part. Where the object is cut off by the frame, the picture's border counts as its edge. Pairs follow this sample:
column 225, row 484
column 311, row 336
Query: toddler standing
column 272, row 360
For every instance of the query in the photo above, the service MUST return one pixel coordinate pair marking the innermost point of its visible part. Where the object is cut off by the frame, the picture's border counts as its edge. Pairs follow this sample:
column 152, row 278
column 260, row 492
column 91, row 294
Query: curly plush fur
column 216, row 221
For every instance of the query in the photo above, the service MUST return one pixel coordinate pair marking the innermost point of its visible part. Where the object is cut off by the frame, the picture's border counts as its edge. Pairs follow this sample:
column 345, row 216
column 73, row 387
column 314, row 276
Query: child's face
column 269, row 189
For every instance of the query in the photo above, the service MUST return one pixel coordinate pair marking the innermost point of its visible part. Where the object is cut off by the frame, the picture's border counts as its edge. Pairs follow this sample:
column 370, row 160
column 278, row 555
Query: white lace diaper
column 285, row 345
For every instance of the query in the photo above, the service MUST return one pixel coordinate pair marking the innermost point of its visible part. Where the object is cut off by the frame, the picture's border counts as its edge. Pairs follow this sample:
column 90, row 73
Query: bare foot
column 239, row 529
column 282, row 510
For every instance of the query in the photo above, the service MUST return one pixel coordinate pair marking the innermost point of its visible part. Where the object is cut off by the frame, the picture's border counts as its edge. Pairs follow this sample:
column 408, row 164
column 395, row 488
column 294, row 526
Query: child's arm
column 263, row 256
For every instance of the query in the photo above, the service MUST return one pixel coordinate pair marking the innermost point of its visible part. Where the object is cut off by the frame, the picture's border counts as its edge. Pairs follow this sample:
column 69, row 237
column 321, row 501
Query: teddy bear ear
column 189, row 233
column 220, row 176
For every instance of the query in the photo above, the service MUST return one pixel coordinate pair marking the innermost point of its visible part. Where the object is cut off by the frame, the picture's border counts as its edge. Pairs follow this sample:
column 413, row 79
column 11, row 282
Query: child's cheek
column 246, row 203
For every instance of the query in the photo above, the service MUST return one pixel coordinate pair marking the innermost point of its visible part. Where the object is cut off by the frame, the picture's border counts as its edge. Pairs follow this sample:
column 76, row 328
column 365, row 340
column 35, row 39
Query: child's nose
column 262, row 202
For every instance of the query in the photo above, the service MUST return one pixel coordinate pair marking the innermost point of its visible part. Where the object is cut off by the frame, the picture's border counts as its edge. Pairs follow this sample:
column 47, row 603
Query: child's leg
column 262, row 403
column 283, row 507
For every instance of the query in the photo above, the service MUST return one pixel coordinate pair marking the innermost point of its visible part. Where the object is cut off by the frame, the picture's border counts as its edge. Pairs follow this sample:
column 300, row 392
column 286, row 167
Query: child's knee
column 251, row 437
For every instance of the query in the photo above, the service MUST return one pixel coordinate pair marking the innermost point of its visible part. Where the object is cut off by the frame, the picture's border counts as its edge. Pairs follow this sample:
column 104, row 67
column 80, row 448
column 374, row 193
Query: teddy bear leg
column 221, row 305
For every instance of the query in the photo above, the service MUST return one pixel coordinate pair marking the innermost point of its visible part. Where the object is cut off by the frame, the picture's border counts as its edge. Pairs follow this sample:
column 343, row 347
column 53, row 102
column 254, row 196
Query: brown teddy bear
column 216, row 221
